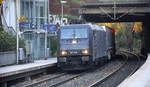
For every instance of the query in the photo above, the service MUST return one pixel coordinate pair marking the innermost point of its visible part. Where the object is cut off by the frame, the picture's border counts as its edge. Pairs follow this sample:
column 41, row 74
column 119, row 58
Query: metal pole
column 29, row 14
column 9, row 12
column 34, row 13
column 62, row 10
column 48, row 20
column 46, row 12
column 30, row 8
column 62, row 13
column 17, row 49
column 114, row 10
column 37, row 14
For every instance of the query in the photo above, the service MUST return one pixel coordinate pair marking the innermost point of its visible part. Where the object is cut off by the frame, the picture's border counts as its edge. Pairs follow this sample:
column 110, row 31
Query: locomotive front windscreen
column 74, row 33
column 72, row 38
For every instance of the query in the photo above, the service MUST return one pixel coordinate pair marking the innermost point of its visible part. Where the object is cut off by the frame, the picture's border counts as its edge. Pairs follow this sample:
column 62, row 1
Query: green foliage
column 66, row 6
column 54, row 43
column 126, row 39
column 1, row 29
column 21, row 43
column 137, row 41
column 74, row 1
column 8, row 42
column 123, row 0
column 70, row 17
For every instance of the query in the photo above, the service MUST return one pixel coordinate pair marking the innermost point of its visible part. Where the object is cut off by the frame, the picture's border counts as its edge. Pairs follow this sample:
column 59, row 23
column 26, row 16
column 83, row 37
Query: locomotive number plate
column 73, row 52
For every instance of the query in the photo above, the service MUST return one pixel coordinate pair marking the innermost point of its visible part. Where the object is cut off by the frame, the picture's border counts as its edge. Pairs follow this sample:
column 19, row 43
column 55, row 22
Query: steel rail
column 43, row 80
column 56, row 77
column 71, row 78
column 138, row 60
column 124, row 54
column 95, row 84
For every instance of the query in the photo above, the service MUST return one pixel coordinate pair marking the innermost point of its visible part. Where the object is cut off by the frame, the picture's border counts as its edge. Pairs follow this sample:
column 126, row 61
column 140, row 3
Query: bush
column 54, row 46
column 8, row 42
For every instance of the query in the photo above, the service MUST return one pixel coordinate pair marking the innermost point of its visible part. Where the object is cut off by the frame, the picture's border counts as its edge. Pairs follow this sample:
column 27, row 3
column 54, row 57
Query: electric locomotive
column 80, row 46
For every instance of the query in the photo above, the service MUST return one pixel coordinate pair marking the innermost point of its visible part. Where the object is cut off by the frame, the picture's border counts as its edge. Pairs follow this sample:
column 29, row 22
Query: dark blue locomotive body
column 82, row 45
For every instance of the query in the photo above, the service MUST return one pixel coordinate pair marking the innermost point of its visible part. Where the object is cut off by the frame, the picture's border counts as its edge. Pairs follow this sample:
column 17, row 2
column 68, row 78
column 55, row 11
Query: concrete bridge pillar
column 146, row 36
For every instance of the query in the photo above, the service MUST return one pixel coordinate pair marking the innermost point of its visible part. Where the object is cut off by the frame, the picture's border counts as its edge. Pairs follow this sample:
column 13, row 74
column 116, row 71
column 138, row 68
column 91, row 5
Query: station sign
column 27, row 25
column 45, row 26
column 50, row 27
column 24, row 25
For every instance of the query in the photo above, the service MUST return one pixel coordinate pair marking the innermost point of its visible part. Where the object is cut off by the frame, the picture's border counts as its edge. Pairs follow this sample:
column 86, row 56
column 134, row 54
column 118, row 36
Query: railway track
column 64, row 81
column 90, row 78
column 71, row 79
column 95, row 84
column 137, row 64
column 40, row 80
column 100, row 74
column 60, row 79
column 104, row 82
column 102, row 70
column 51, row 81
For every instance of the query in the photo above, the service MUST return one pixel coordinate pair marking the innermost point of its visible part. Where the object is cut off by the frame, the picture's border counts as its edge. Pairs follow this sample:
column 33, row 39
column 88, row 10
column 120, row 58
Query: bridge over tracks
column 119, row 11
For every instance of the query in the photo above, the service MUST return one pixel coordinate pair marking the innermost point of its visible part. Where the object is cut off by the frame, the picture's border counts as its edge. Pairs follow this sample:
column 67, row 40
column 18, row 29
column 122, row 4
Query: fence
column 7, row 58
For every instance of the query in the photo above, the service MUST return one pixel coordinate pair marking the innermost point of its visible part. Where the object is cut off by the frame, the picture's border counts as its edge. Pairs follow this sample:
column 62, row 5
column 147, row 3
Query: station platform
column 141, row 78
column 9, row 71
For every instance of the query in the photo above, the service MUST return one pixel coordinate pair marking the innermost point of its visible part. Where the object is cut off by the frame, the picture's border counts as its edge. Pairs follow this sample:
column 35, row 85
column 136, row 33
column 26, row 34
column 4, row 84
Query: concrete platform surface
column 15, row 69
column 141, row 78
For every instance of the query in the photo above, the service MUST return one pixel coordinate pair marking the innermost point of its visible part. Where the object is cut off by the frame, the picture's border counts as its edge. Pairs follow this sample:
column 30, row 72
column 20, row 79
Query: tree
column 127, row 34
column 137, row 27
column 8, row 42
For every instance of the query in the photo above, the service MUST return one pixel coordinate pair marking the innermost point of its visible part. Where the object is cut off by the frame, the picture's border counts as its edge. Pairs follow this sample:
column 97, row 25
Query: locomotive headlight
column 85, row 51
column 63, row 52
column 74, row 41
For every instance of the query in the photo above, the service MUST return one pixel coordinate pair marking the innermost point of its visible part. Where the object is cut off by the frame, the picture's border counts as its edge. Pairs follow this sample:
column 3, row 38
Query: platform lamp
column 62, row 10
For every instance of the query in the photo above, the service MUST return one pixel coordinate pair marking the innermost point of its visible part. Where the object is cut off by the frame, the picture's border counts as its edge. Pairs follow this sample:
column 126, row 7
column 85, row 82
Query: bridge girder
column 115, row 12
column 97, row 18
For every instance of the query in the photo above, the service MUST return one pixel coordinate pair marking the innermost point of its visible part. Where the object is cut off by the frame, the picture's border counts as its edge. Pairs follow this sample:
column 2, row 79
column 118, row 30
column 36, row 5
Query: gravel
column 91, row 77
column 119, row 76
column 95, row 74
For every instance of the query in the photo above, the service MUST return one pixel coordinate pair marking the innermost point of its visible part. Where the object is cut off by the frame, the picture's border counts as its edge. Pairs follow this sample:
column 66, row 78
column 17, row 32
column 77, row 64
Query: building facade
column 30, row 18
column 35, row 12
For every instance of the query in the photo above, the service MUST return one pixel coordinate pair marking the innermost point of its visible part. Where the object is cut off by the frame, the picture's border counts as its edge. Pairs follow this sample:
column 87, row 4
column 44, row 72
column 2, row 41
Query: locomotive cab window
column 74, row 33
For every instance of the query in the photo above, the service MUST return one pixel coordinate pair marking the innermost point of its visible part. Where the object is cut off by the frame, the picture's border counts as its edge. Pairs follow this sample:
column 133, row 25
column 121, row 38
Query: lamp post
column 17, row 30
column 62, row 10
column 46, row 24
